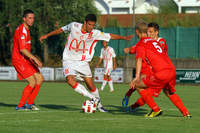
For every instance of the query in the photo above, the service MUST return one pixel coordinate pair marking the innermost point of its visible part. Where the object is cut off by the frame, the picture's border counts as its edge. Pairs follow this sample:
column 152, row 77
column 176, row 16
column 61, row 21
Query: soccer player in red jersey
column 149, row 50
column 169, row 90
column 25, row 63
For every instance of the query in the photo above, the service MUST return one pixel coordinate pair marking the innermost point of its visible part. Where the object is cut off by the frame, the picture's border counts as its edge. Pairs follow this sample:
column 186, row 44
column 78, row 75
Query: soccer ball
column 89, row 106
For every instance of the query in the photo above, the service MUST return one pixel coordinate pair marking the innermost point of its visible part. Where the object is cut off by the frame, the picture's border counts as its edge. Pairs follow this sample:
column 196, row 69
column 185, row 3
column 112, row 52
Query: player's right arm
column 99, row 62
column 58, row 31
column 55, row 32
column 130, row 50
column 100, row 58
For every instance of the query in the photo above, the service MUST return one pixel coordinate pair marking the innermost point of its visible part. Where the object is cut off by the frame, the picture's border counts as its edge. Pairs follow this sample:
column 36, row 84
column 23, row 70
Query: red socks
column 138, row 103
column 148, row 99
column 25, row 95
column 179, row 104
column 130, row 91
column 33, row 94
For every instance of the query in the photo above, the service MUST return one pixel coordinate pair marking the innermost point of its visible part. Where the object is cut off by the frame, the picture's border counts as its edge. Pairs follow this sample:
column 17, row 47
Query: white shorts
column 108, row 71
column 78, row 68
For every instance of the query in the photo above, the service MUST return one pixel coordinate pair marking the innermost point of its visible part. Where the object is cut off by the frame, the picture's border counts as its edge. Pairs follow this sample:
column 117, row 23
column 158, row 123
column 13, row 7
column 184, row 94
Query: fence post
column 177, row 41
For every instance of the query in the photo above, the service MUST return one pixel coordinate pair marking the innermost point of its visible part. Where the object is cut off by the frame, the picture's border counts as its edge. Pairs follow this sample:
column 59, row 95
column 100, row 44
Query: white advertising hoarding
column 59, row 74
column 117, row 75
column 8, row 73
column 48, row 73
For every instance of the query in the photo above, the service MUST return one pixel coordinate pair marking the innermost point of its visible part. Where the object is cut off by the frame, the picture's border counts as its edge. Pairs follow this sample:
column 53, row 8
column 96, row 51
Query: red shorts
column 160, row 79
column 25, row 68
column 155, row 92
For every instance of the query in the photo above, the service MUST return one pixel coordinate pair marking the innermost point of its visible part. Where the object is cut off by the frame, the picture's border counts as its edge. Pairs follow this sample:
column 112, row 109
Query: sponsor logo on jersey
column 77, row 32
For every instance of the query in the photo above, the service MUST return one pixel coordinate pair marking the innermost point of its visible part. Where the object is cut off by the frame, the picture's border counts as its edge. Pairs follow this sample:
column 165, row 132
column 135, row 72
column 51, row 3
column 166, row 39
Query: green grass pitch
column 61, row 112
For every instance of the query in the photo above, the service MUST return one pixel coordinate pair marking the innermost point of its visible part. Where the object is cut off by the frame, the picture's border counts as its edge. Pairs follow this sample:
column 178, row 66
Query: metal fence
column 182, row 42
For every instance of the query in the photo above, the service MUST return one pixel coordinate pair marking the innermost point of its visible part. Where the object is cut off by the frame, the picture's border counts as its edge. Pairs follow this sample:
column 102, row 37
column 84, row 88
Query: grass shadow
column 60, row 107
column 8, row 105
column 119, row 110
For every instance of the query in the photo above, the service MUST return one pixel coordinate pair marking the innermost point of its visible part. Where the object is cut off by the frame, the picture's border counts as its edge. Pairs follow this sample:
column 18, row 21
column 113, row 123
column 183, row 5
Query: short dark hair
column 141, row 27
column 27, row 11
column 91, row 17
column 154, row 25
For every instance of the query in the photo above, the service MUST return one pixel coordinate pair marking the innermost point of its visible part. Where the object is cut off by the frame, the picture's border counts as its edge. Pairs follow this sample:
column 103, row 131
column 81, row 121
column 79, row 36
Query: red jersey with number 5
column 150, row 50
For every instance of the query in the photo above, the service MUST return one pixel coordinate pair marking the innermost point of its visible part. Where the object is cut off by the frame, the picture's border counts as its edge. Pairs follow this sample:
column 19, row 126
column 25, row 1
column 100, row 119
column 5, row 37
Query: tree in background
column 167, row 7
column 50, row 14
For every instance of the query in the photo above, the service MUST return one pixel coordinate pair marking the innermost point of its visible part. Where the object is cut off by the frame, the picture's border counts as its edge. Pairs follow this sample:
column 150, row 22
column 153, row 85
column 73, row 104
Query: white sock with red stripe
column 103, row 84
column 82, row 90
column 110, row 83
column 95, row 93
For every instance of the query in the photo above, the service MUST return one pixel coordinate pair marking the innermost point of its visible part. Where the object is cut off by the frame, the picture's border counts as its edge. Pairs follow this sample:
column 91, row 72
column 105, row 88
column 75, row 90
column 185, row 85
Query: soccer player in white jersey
column 109, row 57
column 79, row 50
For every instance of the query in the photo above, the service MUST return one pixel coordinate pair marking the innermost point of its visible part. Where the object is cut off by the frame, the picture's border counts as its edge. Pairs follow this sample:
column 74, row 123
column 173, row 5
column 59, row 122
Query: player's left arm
column 140, row 55
column 138, row 71
column 118, row 37
column 114, row 63
column 31, row 57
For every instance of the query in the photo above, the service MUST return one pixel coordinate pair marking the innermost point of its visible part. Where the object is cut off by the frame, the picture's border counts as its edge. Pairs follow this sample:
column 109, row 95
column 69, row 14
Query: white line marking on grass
column 36, row 120
column 107, row 119
column 34, row 112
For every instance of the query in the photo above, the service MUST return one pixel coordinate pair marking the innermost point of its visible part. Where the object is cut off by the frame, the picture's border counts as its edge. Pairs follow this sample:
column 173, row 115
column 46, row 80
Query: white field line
column 34, row 112
column 93, row 119
column 57, row 111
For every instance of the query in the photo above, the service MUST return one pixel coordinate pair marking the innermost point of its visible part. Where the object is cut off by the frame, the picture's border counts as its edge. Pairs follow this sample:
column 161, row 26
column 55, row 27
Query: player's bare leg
column 78, row 87
column 91, row 86
column 39, row 80
column 26, row 92
column 94, row 91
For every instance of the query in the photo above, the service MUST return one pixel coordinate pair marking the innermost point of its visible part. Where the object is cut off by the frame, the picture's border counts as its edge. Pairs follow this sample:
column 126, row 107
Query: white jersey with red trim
column 108, row 54
column 80, row 45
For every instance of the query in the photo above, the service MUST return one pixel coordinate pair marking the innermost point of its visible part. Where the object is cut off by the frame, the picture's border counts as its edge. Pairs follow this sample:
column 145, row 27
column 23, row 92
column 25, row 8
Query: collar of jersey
column 83, row 31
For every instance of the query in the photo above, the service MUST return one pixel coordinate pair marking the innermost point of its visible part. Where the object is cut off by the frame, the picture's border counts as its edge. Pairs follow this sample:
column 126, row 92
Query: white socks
column 111, row 85
column 103, row 84
column 96, row 94
column 82, row 90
